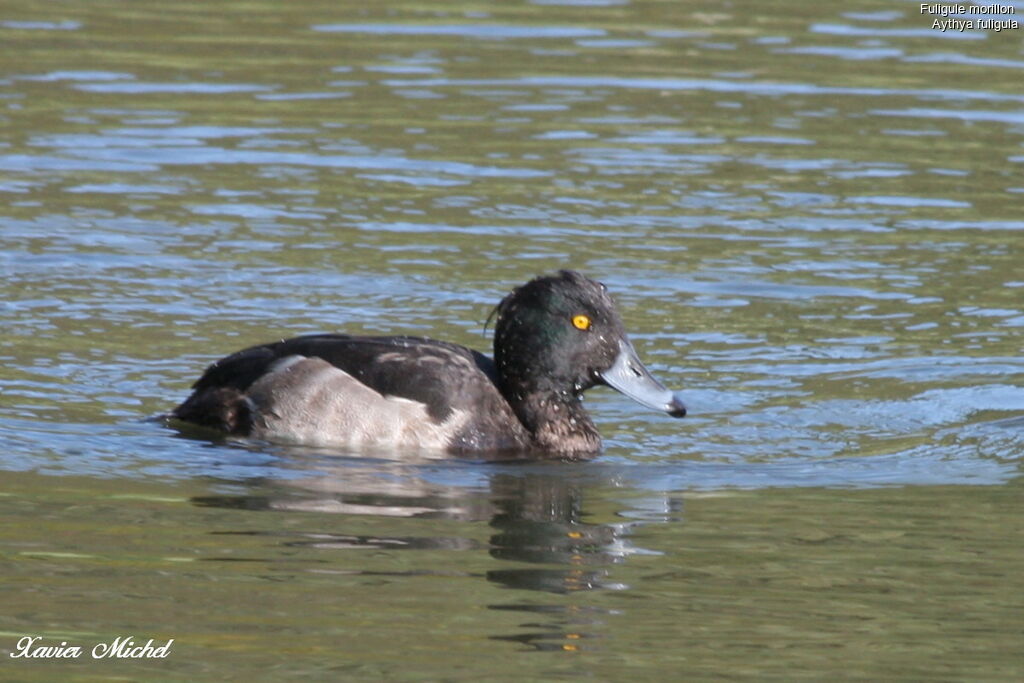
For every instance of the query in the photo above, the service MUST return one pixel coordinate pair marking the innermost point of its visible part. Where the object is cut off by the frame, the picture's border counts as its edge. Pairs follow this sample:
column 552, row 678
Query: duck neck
column 557, row 420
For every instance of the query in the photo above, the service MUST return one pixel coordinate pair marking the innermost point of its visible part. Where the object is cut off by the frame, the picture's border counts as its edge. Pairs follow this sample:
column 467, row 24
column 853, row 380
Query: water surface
column 810, row 218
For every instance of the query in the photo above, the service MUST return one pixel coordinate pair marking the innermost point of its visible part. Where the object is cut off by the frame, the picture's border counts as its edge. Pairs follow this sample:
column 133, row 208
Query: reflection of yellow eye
column 581, row 322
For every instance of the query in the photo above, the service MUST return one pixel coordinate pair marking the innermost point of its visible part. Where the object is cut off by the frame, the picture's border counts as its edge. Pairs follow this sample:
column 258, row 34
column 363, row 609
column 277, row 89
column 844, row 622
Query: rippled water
column 809, row 215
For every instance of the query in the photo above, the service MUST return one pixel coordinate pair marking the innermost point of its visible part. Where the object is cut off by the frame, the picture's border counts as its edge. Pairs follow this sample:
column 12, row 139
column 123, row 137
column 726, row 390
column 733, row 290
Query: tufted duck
column 555, row 337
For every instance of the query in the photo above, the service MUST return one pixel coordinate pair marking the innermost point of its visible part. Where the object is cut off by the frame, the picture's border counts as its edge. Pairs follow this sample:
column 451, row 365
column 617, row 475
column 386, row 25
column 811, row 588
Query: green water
column 914, row 583
column 809, row 215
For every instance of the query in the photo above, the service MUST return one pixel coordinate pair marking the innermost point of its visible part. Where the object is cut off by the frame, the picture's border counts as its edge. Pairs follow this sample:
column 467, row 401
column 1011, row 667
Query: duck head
column 558, row 335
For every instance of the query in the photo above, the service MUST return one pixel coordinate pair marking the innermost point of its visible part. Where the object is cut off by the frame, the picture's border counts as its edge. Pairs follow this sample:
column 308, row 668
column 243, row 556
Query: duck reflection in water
column 539, row 537
column 538, row 521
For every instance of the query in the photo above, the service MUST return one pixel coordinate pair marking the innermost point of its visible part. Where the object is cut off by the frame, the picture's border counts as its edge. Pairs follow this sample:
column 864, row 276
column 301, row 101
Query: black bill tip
column 675, row 407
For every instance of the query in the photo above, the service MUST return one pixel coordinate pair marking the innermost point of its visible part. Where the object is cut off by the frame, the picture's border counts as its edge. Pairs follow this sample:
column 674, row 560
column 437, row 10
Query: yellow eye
column 581, row 322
